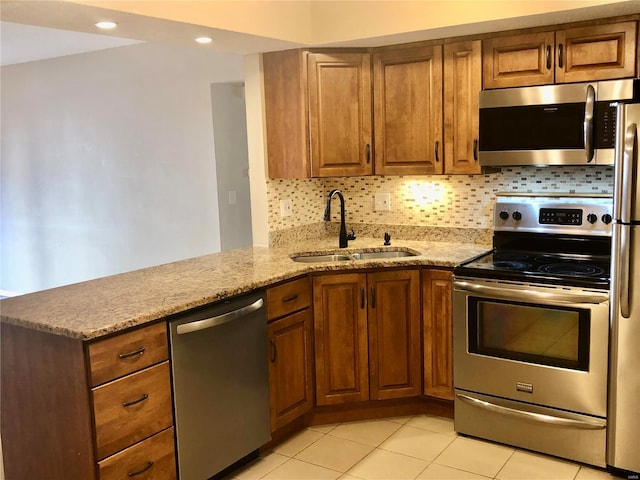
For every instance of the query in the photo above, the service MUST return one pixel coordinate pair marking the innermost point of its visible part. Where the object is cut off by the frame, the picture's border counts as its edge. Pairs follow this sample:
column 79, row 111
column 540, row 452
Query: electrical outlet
column 285, row 207
column 382, row 202
column 232, row 197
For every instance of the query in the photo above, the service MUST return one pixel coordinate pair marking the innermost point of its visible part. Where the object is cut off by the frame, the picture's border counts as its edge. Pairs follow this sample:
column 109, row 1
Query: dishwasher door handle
column 219, row 319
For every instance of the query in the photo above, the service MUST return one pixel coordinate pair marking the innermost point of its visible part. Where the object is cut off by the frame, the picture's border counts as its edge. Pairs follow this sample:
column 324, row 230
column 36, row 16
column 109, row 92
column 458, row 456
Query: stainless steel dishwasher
column 220, row 384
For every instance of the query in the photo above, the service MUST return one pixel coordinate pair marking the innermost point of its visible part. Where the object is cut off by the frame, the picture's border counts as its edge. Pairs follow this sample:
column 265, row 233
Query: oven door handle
column 516, row 294
column 593, row 424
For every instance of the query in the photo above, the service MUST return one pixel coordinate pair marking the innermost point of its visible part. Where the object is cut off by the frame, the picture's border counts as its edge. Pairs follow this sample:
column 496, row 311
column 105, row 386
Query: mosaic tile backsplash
column 451, row 201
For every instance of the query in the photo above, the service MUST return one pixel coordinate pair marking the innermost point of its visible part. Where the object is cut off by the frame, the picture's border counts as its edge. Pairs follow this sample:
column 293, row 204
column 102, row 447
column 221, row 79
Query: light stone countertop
column 95, row 308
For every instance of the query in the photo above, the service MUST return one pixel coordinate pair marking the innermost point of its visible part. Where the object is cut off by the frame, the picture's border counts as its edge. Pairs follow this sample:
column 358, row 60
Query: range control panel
column 573, row 216
column 560, row 216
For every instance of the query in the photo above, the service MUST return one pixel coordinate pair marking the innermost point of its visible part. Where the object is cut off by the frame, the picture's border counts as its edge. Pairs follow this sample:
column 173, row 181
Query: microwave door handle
column 588, row 122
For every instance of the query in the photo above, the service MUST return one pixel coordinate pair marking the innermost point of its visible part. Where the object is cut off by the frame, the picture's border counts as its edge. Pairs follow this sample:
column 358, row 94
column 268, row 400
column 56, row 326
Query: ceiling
column 36, row 30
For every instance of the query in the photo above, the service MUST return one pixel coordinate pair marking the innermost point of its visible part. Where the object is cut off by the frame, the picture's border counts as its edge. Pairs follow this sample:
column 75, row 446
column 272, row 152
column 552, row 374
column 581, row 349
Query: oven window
column 547, row 335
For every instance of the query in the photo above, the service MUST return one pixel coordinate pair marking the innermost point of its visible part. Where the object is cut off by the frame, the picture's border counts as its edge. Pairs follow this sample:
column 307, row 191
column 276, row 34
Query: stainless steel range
column 531, row 328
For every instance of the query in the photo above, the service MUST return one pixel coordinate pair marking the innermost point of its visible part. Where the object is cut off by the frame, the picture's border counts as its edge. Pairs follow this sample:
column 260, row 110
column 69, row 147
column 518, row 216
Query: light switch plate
column 382, row 202
column 285, row 207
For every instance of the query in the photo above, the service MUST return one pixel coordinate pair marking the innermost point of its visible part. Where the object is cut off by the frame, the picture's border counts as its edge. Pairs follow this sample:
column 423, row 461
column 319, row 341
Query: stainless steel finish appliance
column 569, row 124
column 531, row 328
column 220, row 385
column 624, row 388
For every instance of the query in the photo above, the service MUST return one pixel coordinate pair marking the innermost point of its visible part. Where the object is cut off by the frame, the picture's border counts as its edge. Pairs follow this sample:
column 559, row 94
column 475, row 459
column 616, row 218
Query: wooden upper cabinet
column 285, row 103
column 518, row 60
column 600, row 52
column 340, row 114
column 582, row 54
column 462, row 85
column 408, row 111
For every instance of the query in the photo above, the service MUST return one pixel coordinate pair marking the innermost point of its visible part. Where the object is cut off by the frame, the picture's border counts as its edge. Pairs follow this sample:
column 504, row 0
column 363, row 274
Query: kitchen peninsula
column 57, row 345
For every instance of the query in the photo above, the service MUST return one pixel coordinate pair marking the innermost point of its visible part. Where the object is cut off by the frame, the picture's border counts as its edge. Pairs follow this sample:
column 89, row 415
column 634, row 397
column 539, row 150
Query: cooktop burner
column 585, row 270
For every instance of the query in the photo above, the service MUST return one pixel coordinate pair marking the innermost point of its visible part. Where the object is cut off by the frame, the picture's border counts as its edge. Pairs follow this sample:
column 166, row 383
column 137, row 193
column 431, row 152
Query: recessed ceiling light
column 106, row 25
column 204, row 40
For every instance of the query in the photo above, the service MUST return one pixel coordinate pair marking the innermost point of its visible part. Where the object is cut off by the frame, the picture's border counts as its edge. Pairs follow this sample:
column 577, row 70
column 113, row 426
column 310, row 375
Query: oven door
column 540, row 344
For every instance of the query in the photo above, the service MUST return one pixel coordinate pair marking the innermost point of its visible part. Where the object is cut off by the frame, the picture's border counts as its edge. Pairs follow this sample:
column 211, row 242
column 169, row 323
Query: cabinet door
column 518, row 60
column 290, row 382
column 340, row 114
column 394, row 334
column 462, row 85
column 598, row 52
column 340, row 337
column 437, row 330
column 408, row 111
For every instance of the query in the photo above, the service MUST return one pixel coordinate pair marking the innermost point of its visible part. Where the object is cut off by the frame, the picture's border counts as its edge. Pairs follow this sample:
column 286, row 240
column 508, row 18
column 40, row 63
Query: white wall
column 230, row 134
column 108, row 162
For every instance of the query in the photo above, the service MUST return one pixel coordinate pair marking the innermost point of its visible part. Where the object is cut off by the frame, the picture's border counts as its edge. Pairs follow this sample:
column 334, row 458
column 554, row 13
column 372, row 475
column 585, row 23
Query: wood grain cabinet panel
column 462, row 85
column 582, row 54
column 437, row 314
column 394, row 334
column 340, row 114
column 286, row 114
column 290, row 367
column 340, row 338
column 408, row 111
column 151, row 459
column 599, row 52
column 518, row 60
column 288, row 298
column 132, row 408
column 122, row 354
column 367, row 336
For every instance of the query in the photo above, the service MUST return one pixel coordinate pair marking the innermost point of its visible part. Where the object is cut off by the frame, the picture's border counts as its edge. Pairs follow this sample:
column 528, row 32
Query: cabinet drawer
column 153, row 458
column 288, row 297
column 131, row 409
column 117, row 356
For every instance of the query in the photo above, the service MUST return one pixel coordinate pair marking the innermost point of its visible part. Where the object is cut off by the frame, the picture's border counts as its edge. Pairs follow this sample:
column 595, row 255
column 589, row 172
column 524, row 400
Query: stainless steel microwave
column 568, row 124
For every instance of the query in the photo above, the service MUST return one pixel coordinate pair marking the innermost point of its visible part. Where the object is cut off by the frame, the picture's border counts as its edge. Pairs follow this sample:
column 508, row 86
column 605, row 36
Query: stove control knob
column 504, row 214
column 606, row 219
column 517, row 216
column 592, row 218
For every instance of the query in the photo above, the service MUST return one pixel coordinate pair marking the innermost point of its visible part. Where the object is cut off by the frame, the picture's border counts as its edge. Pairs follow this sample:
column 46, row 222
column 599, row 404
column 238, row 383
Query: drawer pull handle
column 140, row 351
column 274, row 351
column 142, row 470
column 133, row 402
column 290, row 298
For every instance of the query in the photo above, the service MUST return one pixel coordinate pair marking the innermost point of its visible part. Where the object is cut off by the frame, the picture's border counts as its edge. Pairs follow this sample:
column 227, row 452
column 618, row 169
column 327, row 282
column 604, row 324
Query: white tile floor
column 420, row 447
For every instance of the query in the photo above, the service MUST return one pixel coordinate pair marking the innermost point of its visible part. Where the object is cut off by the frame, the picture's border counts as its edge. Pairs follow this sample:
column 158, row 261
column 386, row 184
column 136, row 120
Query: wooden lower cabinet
column 151, row 459
column 437, row 293
column 64, row 417
column 290, row 336
column 290, row 367
column 367, row 336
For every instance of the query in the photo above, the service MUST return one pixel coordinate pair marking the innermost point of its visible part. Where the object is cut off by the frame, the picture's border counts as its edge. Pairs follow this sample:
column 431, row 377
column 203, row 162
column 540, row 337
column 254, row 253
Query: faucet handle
column 352, row 235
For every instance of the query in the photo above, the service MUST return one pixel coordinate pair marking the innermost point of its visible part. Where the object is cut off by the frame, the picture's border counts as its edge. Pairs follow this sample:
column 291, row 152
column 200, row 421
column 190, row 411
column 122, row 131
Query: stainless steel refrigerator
column 623, row 444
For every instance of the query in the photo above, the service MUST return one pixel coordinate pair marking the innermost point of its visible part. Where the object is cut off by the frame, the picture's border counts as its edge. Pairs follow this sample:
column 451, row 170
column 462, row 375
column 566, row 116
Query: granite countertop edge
column 90, row 310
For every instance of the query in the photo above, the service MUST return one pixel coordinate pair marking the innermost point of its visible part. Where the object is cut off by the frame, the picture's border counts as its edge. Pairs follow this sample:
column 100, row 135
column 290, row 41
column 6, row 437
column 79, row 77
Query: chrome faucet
column 343, row 237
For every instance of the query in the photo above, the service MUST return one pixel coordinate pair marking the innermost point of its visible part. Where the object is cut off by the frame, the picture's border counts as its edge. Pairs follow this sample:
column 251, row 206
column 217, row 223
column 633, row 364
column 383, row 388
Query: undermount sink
column 338, row 257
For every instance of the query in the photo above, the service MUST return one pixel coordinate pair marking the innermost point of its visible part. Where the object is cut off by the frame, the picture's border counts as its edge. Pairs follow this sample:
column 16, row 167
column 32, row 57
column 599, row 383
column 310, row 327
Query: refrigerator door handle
column 628, row 156
column 624, row 266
